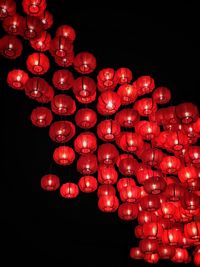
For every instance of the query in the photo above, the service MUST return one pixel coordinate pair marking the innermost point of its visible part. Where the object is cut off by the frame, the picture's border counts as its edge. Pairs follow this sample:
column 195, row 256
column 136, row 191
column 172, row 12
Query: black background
column 41, row 228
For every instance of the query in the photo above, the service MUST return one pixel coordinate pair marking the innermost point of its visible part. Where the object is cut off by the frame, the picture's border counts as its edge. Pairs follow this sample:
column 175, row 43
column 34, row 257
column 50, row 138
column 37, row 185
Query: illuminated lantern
column 171, row 236
column 17, row 79
column 170, row 165
column 138, row 231
column 86, row 118
column 107, row 175
column 108, row 130
column 121, row 157
column 69, row 190
column 144, row 85
column 166, row 252
column 193, row 185
column 61, row 47
column 130, row 194
column 10, row 47
column 190, row 201
column 150, row 203
column 124, row 75
column 193, row 155
column 86, row 100
column 85, row 142
column 146, row 217
column 106, row 190
column 124, row 182
column 38, row 63
column 145, row 106
column 127, row 166
column 46, row 19
column 50, row 182
column 65, row 61
column 136, row 253
column 107, row 154
column 152, row 157
column 128, row 211
column 63, row 79
column 181, row 256
column 108, row 103
column 87, row 164
column 42, row 42
column 66, row 31
column 64, row 155
column 84, row 87
column 31, row 27
column 148, row 246
column 143, row 173
column 174, row 192
column 187, row 174
column 129, row 142
column 87, row 184
column 192, row 230
column 152, row 230
column 41, row 116
column 127, row 93
column 187, row 112
column 61, row 131
column 155, row 185
column 167, row 210
column 63, row 105
column 108, row 203
column 127, row 117
column 7, row 8
column 176, row 140
column 39, row 90
column 84, row 63
column 151, row 258
column 161, row 95
column 34, row 7
column 107, row 79
column 13, row 24
column 148, row 130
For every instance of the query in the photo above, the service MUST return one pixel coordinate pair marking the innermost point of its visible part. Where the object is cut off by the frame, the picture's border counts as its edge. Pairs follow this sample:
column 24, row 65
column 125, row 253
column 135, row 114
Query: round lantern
column 17, row 79
column 61, row 131
column 152, row 157
column 127, row 166
column 38, row 63
column 152, row 230
column 63, row 105
column 84, row 63
column 151, row 258
column 84, row 87
column 187, row 112
column 193, row 155
column 161, row 95
column 107, row 175
column 46, row 19
column 192, row 230
column 146, row 217
column 107, row 154
column 168, row 210
column 176, row 140
column 108, row 203
column 187, row 174
column 87, row 184
column 155, row 185
column 129, row 142
column 124, row 75
column 33, row 7
column 10, row 46
column 85, row 143
column 130, row 194
column 42, row 42
column 31, row 27
column 66, row 31
column 86, row 118
column 148, row 246
column 127, row 117
column 145, row 106
column 64, row 155
column 150, row 203
column 124, row 182
column 171, row 236
column 128, row 211
column 166, row 252
column 106, row 190
column 108, row 103
column 61, row 47
column 69, row 190
column 196, row 259
column 148, row 130
column 65, row 61
column 50, row 182
column 190, row 201
column 180, row 256
column 127, row 93
column 136, row 253
column 170, row 165
column 87, row 164
column 7, row 8
column 107, row 79
column 174, row 192
column 41, row 116
column 108, row 130
column 63, row 79
column 13, row 24
column 144, row 85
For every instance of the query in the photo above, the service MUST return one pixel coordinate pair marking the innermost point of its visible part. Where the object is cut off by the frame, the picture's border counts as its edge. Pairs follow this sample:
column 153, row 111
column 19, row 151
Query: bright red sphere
column 64, row 155
column 50, row 182
column 41, row 117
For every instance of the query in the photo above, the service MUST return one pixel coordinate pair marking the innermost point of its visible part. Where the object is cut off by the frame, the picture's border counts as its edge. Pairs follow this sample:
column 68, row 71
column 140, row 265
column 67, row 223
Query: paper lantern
column 64, row 155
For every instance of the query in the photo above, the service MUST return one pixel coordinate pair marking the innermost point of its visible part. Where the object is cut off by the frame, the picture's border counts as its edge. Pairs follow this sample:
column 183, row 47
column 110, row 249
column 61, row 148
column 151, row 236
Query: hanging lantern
column 145, row 106
column 38, row 63
column 193, row 155
column 108, row 130
column 150, row 203
column 63, row 105
column 174, row 192
column 86, row 118
column 41, row 117
column 187, row 112
column 170, row 165
column 167, row 210
column 10, row 47
column 148, row 246
column 13, row 24
column 7, row 8
column 151, row 258
column 84, row 87
column 176, row 140
column 196, row 259
column 171, row 237
column 107, row 79
column 106, row 190
column 181, row 256
column 148, row 130
column 65, row 61
column 66, row 31
column 87, row 184
column 155, row 185
column 152, row 157
column 136, row 253
column 46, row 19
column 130, row 194
column 129, row 142
column 152, row 230
column 107, row 175
column 31, row 27
column 127, row 117
column 84, row 63
column 50, row 182
column 61, row 131
column 124, row 75
column 187, row 174
column 34, row 7
column 146, row 217
column 192, row 230
column 190, row 201
column 61, row 47
column 166, row 252
column 64, row 155
column 144, row 85
column 107, row 154
column 128, row 211
column 161, row 95
column 69, row 190
column 85, row 143
column 108, row 203
column 17, row 79
column 127, row 166
column 63, row 79
column 42, row 42
column 124, row 182
column 127, row 93
column 108, row 103
column 87, row 164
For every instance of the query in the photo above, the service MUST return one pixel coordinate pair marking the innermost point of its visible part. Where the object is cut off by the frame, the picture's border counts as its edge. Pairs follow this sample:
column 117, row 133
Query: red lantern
column 86, row 118
column 63, row 79
column 124, row 182
column 84, row 87
column 148, row 246
column 13, row 24
column 87, row 184
column 181, row 256
column 84, row 63
column 87, row 164
column 41, row 116
column 61, row 47
column 108, row 203
column 174, row 192
column 107, row 175
column 108, row 103
column 66, row 31
column 152, row 157
column 171, row 237
column 46, row 19
column 124, row 75
column 106, row 190
column 10, row 47
column 187, row 174
column 130, row 194
column 167, row 210
column 63, row 105
column 192, row 230
column 150, row 203
column 155, row 185
column 127, row 93
column 170, row 165
column 127, row 166
column 17, row 79
column 144, row 85
column 31, row 27
column 7, row 8
column 129, row 142
column 69, row 190
column 161, row 95
column 42, row 42
column 127, row 117
column 166, row 252
column 136, row 253
column 187, row 112
column 145, row 106
column 108, row 130
column 146, row 217
column 38, row 63
column 107, row 79
column 65, row 61
column 107, row 154
column 152, row 230
column 34, row 7
column 190, row 201
column 50, row 182
column 148, row 130
column 176, row 141
column 151, row 258
column 196, row 259
column 128, row 211
column 61, row 131
column 64, row 155
column 85, row 143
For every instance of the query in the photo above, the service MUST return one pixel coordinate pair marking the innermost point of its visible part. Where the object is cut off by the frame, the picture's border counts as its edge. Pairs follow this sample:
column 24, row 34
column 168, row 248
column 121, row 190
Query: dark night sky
column 41, row 228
